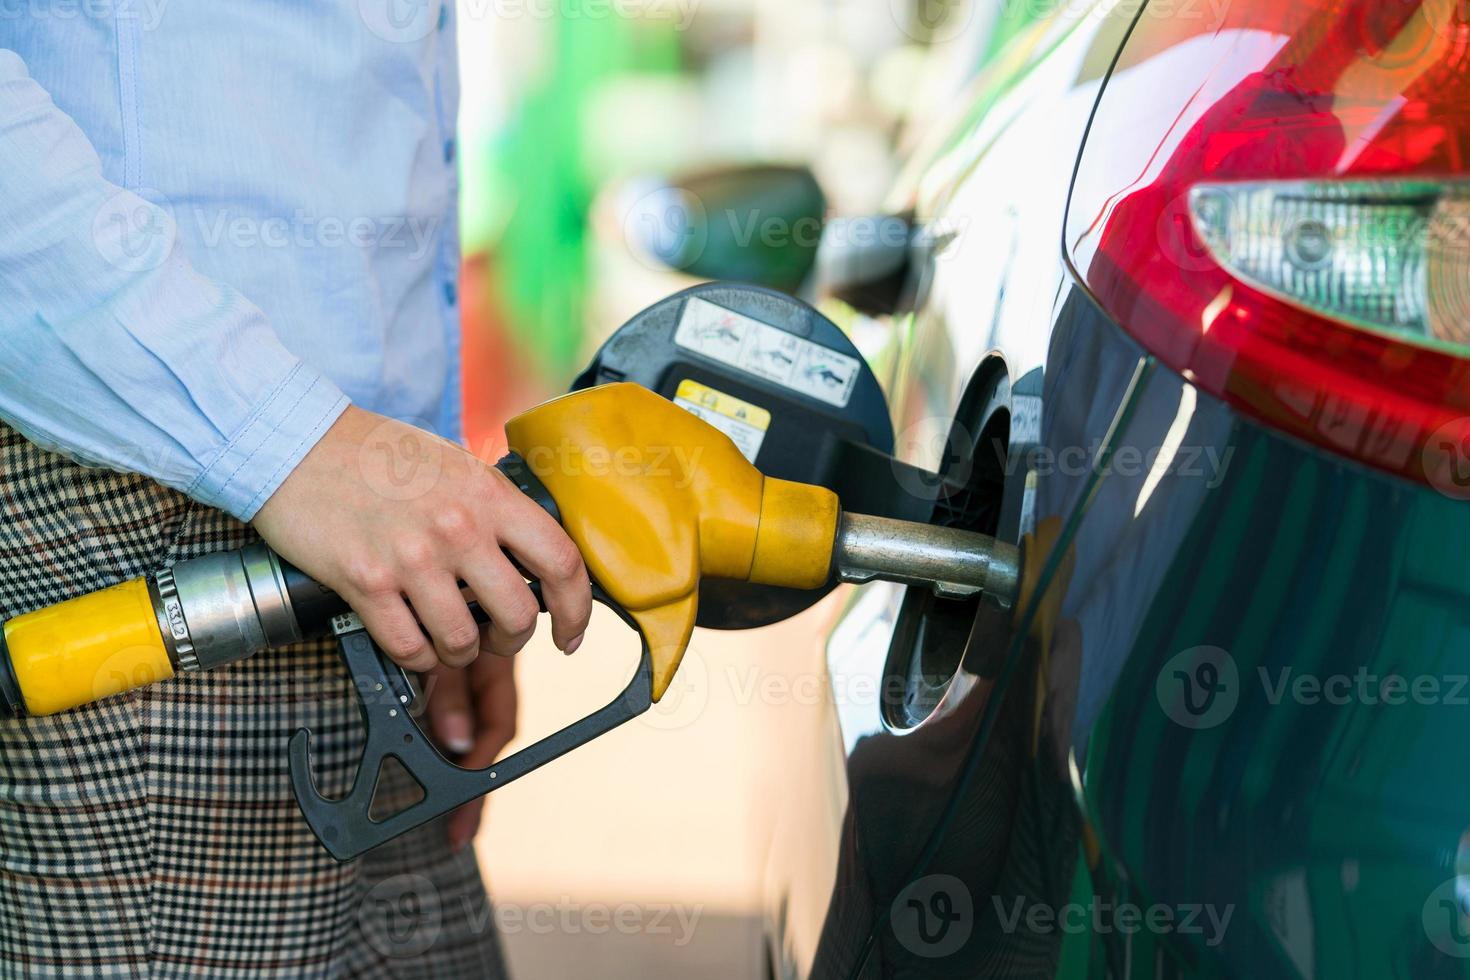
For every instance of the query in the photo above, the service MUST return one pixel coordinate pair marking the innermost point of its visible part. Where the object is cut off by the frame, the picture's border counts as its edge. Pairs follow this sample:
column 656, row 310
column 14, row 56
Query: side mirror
column 866, row 262
column 759, row 224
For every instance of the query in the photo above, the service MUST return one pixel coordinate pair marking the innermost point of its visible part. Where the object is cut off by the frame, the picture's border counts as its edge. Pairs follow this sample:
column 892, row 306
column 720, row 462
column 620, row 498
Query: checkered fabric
column 154, row 834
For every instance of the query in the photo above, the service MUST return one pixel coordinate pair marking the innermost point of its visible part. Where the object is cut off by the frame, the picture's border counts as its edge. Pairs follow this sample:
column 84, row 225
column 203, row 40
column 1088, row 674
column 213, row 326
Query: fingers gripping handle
column 346, row 827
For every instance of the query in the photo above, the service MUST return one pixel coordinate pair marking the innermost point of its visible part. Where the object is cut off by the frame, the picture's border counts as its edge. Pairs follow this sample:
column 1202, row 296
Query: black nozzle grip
column 12, row 703
column 519, row 472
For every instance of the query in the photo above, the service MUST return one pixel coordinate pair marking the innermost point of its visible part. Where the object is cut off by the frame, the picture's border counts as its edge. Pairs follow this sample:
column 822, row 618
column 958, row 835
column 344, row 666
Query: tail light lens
column 1391, row 256
column 1276, row 205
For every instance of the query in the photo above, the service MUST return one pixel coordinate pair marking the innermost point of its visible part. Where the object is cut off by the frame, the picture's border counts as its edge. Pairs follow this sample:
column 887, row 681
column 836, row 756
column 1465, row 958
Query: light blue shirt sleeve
column 114, row 349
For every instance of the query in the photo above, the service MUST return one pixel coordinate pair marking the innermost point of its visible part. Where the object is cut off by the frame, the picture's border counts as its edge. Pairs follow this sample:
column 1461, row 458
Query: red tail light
column 1282, row 214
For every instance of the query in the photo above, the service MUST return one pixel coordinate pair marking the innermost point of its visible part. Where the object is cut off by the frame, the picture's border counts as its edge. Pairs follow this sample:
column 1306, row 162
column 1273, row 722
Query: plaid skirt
column 154, row 834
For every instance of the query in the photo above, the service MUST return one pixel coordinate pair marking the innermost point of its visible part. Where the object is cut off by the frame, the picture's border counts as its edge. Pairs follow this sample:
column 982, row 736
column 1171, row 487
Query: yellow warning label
column 727, row 405
column 744, row 423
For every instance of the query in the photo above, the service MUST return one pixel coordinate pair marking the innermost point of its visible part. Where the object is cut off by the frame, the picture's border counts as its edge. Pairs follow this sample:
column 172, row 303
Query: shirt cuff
column 257, row 460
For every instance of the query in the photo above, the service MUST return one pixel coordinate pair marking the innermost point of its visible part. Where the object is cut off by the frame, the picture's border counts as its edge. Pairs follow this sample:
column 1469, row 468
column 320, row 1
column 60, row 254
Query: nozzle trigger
column 346, row 827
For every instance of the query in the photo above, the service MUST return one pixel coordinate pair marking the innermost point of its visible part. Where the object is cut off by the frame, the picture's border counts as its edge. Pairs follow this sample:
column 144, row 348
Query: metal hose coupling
column 224, row 607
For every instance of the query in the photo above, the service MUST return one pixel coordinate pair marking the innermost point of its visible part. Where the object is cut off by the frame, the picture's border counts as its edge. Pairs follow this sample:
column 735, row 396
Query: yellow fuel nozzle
column 657, row 499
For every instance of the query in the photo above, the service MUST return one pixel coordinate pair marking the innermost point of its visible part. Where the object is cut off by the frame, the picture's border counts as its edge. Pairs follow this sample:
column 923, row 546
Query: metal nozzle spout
column 955, row 563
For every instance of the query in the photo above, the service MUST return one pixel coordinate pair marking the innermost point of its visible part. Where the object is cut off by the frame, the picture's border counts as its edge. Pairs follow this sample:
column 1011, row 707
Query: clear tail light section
column 1276, row 203
column 1392, row 256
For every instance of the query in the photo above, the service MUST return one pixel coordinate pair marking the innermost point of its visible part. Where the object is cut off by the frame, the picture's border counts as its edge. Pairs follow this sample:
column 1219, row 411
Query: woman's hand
column 388, row 515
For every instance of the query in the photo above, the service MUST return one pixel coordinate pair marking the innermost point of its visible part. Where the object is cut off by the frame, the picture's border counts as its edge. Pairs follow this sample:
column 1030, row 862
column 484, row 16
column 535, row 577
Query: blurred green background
column 572, row 109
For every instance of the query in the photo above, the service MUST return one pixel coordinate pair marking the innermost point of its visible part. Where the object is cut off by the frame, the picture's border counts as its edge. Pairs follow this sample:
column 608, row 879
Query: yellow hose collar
column 87, row 648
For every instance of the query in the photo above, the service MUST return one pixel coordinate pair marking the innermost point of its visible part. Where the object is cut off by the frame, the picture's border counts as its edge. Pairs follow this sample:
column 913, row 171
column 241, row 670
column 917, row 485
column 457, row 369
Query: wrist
column 284, row 428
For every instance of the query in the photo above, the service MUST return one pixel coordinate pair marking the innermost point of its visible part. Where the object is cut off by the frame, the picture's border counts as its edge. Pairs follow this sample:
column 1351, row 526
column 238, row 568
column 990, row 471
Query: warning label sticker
column 744, row 423
column 766, row 352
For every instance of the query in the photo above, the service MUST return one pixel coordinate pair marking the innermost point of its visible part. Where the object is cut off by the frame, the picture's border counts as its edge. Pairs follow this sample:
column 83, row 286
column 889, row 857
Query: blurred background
column 642, row 855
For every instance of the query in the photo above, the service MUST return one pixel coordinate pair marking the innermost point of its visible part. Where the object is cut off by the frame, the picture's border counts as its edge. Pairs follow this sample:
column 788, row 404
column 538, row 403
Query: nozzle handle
column 346, row 826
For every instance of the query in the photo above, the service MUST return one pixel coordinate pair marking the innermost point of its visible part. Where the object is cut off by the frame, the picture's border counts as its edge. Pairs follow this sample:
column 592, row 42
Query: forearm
column 113, row 349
